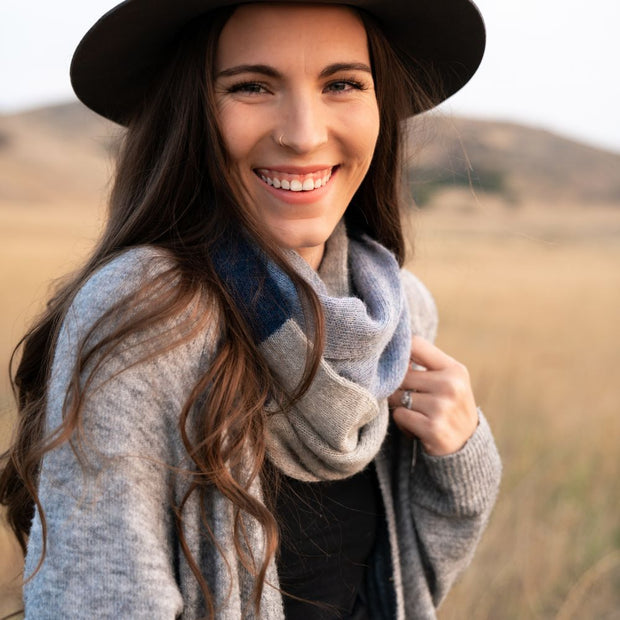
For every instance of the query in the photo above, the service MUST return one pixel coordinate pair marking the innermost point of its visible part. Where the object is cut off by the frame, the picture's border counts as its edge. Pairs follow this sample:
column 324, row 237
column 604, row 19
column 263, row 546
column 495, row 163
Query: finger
column 419, row 380
column 439, row 435
column 426, row 404
column 430, row 381
column 412, row 423
column 422, row 381
column 397, row 398
column 428, row 355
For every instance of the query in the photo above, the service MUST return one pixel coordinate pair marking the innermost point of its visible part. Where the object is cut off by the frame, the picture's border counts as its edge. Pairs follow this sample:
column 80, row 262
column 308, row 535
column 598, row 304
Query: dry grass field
column 529, row 300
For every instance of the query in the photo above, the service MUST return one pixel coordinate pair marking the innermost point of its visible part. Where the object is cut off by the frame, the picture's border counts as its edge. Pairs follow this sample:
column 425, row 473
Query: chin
column 304, row 235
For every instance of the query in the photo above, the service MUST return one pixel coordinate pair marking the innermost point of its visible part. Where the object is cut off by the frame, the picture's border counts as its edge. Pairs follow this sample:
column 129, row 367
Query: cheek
column 238, row 132
column 361, row 130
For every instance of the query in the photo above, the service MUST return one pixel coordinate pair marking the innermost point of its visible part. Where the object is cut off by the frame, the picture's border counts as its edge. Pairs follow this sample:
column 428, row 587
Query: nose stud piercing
column 281, row 140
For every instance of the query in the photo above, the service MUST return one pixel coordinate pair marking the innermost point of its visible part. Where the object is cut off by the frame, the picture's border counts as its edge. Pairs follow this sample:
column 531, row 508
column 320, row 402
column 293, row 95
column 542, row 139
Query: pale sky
column 549, row 63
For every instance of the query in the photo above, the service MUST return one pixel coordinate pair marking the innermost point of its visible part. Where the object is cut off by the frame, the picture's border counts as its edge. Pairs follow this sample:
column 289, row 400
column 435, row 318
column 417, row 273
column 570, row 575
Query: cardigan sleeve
column 451, row 498
column 442, row 503
column 110, row 550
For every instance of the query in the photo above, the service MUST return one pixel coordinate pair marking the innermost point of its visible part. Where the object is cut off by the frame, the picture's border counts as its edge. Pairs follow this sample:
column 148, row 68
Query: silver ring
column 405, row 399
column 281, row 140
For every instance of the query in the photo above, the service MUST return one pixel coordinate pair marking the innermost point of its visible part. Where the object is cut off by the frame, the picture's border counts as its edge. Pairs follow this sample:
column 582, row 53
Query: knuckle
column 450, row 388
column 458, row 380
column 455, row 388
column 461, row 370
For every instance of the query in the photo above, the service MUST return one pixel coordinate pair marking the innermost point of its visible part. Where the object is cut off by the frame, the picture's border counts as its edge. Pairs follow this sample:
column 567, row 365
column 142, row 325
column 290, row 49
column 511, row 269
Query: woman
column 205, row 426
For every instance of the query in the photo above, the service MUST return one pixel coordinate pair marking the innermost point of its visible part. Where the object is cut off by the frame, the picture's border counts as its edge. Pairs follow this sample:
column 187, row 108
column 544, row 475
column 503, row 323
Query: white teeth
column 308, row 183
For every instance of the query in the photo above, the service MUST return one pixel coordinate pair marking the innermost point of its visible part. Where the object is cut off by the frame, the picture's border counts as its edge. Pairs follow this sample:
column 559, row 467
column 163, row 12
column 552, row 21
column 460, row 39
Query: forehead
column 263, row 32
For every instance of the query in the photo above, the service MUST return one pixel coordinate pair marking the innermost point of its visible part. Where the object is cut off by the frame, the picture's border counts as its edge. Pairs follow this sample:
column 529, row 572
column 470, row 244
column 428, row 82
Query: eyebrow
column 274, row 73
column 345, row 66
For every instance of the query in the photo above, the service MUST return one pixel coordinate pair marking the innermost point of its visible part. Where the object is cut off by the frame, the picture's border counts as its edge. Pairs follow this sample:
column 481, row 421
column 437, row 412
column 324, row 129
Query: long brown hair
column 169, row 192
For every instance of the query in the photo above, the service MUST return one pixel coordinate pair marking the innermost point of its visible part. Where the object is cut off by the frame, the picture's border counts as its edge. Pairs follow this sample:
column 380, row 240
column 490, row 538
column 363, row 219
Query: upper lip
column 297, row 169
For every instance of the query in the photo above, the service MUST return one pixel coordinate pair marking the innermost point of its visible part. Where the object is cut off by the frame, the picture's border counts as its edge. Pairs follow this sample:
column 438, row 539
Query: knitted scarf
column 339, row 424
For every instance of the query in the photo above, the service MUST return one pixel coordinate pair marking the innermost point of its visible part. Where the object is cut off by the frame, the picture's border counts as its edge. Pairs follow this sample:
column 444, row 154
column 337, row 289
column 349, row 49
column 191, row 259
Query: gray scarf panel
column 339, row 424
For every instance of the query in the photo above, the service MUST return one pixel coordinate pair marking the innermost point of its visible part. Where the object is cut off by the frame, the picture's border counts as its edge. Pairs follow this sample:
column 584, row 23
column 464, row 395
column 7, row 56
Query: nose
column 303, row 125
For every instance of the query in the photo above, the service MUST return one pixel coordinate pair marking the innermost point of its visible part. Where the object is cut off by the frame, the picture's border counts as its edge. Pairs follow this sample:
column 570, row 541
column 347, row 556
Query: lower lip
column 299, row 198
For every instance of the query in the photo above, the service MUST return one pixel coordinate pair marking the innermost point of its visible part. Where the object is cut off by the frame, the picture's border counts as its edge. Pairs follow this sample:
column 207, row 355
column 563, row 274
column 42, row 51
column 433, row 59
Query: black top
column 328, row 531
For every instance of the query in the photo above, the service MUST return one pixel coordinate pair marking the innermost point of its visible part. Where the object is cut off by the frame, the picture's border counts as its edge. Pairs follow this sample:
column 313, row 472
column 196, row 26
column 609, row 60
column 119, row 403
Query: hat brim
column 118, row 57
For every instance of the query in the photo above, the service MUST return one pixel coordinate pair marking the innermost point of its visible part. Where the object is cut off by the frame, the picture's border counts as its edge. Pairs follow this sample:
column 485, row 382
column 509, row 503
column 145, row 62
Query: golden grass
column 38, row 243
column 532, row 309
column 529, row 300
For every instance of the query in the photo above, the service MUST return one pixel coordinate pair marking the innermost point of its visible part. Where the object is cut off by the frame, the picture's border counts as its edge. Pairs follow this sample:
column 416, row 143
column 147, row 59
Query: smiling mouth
column 296, row 182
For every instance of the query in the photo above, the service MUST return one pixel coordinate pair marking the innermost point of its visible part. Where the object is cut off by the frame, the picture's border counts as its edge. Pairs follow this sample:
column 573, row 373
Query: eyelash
column 253, row 88
column 354, row 84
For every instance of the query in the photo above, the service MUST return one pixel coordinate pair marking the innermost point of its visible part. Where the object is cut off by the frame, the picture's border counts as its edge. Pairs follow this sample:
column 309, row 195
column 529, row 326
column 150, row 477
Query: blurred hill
column 55, row 154
column 63, row 153
column 522, row 165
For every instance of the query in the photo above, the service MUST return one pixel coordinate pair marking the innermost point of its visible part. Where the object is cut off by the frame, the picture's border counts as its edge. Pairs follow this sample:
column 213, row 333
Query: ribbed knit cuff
column 464, row 483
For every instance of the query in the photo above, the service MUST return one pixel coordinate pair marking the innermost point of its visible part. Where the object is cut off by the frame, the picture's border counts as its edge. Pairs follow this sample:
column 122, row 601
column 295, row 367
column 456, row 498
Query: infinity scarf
column 339, row 424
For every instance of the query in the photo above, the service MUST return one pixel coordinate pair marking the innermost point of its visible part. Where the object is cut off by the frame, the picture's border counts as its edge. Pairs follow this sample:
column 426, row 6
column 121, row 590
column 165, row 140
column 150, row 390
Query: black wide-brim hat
column 118, row 57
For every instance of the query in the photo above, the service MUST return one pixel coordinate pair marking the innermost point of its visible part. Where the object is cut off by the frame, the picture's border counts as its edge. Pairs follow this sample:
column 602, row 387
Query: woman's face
column 299, row 116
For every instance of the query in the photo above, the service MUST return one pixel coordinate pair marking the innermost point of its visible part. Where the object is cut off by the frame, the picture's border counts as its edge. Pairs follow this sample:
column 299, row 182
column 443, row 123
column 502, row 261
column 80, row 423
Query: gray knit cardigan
column 112, row 550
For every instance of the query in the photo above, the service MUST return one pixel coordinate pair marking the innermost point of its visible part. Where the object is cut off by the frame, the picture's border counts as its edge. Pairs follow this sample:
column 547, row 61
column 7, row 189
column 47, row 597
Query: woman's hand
column 441, row 411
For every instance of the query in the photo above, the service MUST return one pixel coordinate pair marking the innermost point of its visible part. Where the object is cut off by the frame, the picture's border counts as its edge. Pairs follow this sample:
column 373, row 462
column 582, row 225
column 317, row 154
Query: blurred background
column 516, row 231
